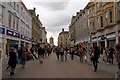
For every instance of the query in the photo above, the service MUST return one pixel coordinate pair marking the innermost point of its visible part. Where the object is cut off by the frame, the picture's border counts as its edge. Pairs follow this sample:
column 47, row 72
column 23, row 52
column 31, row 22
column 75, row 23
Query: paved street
column 52, row 68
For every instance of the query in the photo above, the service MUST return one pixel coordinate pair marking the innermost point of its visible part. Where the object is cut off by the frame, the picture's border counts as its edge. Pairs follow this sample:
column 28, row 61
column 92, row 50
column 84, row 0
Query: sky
column 55, row 14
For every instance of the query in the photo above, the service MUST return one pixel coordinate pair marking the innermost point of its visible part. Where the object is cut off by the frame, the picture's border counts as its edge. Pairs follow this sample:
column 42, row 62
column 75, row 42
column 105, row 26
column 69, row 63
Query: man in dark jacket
column 111, row 52
column 96, row 57
column 40, row 54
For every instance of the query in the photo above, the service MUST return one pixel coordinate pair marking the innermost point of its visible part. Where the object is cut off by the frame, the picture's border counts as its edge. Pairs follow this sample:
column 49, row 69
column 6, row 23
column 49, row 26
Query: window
column 93, row 24
column 26, row 33
column 10, row 3
column 119, row 5
column 106, row 17
column 21, row 11
column 66, row 42
column 18, row 8
column 1, row 15
column 98, row 20
column 14, row 5
column 97, row 7
column 110, row 13
column 17, row 22
column 101, row 19
column 106, row 14
column 14, row 22
column 100, row 5
column 9, row 20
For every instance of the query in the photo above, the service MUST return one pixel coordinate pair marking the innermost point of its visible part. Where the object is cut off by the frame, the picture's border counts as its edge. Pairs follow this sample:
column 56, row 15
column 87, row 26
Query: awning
column 110, row 36
column 94, row 40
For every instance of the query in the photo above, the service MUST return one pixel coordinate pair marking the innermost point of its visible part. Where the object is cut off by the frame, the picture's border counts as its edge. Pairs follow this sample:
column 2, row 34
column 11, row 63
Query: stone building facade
column 36, row 28
column 105, row 32
column 51, row 41
column 15, row 26
column 97, row 24
column 63, row 39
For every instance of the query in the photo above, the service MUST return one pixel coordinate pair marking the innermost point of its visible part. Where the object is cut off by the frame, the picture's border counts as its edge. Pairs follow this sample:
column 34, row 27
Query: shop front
column 94, row 42
column 111, row 40
column 11, row 43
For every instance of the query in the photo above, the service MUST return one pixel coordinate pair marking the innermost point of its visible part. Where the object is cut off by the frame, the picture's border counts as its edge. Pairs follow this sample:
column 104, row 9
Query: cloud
column 55, row 14
column 58, row 21
column 53, row 6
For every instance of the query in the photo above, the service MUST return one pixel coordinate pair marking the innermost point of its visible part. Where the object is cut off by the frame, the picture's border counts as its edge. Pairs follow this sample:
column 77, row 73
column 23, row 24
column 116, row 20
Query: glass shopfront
column 11, row 43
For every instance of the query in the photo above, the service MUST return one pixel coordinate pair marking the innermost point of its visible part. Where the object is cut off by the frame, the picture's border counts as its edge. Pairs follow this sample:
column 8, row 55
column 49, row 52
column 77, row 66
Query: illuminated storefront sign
column 14, row 34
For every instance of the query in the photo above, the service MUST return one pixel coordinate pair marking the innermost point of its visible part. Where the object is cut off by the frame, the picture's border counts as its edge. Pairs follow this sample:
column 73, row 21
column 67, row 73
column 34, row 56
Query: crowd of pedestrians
column 23, row 54
column 92, row 54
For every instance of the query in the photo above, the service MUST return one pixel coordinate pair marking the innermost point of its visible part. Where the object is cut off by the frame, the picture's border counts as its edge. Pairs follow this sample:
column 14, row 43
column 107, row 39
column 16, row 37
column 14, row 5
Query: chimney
column 63, row 30
column 77, row 13
column 37, row 15
column 81, row 10
column 34, row 8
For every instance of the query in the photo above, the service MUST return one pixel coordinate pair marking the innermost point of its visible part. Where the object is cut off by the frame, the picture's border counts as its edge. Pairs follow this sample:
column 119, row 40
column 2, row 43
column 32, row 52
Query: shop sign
column 22, row 37
column 2, row 30
column 16, row 35
column 10, row 33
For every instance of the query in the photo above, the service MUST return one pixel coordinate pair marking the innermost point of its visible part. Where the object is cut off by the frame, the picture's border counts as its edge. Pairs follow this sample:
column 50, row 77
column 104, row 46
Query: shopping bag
column 85, row 58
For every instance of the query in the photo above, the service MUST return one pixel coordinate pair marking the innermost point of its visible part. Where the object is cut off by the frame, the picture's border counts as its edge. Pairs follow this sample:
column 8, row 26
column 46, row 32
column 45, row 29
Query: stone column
column 19, row 44
column 97, row 42
column 4, row 47
column 106, row 41
column 117, row 36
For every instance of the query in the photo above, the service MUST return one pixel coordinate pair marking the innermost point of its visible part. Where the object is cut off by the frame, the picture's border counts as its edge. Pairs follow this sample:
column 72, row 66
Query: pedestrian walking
column 117, row 56
column 81, row 54
column 23, row 58
column 111, row 53
column 61, row 53
column 66, row 53
column 107, row 54
column 91, row 51
column 33, row 52
column 40, row 54
column 12, row 60
column 96, row 56
column 57, row 53
column 72, row 53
